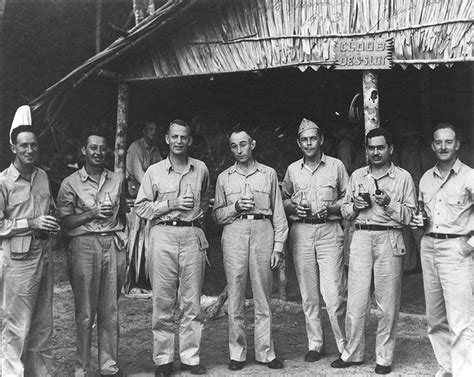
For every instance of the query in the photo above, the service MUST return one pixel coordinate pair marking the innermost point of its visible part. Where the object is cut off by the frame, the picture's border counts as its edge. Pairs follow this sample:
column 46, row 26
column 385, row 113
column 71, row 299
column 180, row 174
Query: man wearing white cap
column 25, row 200
column 316, row 238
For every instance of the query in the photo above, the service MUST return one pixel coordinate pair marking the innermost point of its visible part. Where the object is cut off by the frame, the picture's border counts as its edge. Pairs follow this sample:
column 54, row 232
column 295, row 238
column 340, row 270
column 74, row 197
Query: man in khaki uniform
column 447, row 254
column 91, row 207
column 316, row 238
column 174, row 196
column 25, row 201
column 249, row 205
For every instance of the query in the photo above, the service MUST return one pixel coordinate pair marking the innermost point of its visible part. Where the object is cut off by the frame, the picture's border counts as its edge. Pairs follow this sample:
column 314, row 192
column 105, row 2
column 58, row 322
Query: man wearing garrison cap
column 313, row 190
column 25, row 201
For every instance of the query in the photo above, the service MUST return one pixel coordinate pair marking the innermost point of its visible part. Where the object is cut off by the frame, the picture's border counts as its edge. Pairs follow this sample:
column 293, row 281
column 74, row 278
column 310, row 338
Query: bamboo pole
column 371, row 100
column 98, row 27
column 121, row 130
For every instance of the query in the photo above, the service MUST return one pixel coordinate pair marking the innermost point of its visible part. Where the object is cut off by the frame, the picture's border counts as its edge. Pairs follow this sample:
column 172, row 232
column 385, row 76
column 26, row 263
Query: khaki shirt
column 449, row 201
column 139, row 158
column 80, row 193
column 20, row 200
column 325, row 185
column 161, row 183
column 397, row 183
column 263, row 181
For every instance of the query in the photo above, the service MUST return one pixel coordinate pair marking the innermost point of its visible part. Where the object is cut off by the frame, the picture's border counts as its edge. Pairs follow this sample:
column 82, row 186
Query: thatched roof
column 194, row 37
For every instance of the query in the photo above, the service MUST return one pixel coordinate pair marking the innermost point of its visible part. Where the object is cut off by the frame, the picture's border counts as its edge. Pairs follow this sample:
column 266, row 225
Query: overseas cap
column 307, row 124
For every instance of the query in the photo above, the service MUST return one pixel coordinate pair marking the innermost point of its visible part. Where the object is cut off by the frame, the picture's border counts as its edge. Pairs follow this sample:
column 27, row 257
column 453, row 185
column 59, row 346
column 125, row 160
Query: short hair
column 18, row 130
column 238, row 127
column 379, row 131
column 144, row 124
column 440, row 126
column 86, row 134
column 182, row 123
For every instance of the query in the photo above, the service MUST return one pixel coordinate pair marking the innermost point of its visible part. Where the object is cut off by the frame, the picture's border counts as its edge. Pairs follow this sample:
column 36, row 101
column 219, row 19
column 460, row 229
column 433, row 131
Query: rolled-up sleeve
column 280, row 224
column 343, row 181
column 223, row 213
column 67, row 199
column 287, row 192
column 9, row 227
column 134, row 163
column 145, row 205
column 347, row 205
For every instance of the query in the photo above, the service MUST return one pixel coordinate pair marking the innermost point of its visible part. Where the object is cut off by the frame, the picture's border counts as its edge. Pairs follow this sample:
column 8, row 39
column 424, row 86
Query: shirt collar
column 233, row 168
column 456, row 167
column 390, row 172
column 15, row 174
column 84, row 175
column 323, row 161
column 169, row 165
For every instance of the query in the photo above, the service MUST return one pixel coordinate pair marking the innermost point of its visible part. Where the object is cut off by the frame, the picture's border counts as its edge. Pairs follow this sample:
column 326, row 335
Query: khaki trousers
column 373, row 251
column 97, row 273
column 176, row 258
column 247, row 246
column 449, row 299
column 318, row 255
column 28, row 304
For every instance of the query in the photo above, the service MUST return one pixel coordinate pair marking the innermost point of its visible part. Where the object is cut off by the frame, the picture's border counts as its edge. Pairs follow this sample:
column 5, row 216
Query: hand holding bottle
column 184, row 202
column 362, row 200
column 247, row 201
column 303, row 209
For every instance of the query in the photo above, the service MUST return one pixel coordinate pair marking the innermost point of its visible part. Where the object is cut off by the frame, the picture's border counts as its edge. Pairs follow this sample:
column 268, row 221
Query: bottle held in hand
column 422, row 216
column 188, row 194
column 108, row 202
column 365, row 195
column 53, row 212
column 304, row 202
column 248, row 193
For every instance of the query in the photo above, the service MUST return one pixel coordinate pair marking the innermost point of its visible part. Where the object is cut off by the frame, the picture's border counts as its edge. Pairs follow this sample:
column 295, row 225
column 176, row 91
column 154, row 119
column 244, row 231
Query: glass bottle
column 107, row 199
column 365, row 195
column 422, row 215
column 304, row 202
column 248, row 193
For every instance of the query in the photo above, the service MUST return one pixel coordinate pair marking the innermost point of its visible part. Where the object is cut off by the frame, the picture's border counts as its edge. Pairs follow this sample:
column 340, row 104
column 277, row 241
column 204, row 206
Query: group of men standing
column 173, row 197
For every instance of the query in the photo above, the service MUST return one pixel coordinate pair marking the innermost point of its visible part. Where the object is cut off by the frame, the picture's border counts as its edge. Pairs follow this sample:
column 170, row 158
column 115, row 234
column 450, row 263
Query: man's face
column 378, row 151
column 150, row 132
column 95, row 151
column 241, row 146
column 445, row 145
column 26, row 148
column 179, row 139
column 310, row 143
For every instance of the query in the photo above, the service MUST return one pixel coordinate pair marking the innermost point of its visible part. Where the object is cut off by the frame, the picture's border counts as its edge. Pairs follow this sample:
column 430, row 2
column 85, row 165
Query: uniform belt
column 40, row 236
column 98, row 234
column 179, row 223
column 312, row 221
column 444, row 236
column 256, row 216
column 373, row 227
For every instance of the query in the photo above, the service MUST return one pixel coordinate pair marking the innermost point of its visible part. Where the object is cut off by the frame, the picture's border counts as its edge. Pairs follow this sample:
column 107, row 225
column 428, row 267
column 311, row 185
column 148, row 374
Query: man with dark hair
column 249, row 205
column 25, row 201
column 174, row 196
column 447, row 249
column 380, row 198
column 141, row 154
column 91, row 207
column 316, row 238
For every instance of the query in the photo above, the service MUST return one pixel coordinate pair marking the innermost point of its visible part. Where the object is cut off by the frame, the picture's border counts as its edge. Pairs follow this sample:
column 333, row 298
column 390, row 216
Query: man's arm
column 205, row 191
column 9, row 228
column 222, row 213
column 280, row 224
column 286, row 193
column 134, row 164
column 402, row 211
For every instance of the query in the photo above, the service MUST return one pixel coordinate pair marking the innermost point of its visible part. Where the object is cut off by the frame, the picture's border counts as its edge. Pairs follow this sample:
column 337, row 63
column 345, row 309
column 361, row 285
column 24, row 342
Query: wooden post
column 371, row 100
column 98, row 27
column 122, row 125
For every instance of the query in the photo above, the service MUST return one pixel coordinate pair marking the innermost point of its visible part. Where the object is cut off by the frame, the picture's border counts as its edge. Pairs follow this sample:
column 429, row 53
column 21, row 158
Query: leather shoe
column 274, row 364
column 339, row 363
column 383, row 369
column 312, row 356
column 236, row 365
column 194, row 369
column 164, row 370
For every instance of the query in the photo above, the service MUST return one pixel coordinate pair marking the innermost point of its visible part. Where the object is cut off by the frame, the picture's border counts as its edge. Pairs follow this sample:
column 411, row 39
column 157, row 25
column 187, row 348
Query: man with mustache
column 380, row 198
column 447, row 250
column 91, row 207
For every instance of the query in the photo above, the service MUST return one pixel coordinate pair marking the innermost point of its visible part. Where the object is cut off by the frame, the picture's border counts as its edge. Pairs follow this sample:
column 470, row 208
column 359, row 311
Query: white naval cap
column 22, row 118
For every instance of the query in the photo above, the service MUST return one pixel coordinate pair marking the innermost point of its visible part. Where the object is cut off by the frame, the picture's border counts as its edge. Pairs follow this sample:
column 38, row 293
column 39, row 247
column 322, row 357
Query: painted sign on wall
column 363, row 53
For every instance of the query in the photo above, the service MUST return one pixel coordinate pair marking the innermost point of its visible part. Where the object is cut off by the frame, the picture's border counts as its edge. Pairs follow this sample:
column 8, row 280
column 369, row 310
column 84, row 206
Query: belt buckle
column 174, row 223
column 251, row 217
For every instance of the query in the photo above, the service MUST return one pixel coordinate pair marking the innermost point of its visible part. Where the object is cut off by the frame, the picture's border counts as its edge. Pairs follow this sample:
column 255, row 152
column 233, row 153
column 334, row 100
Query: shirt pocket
column 18, row 198
column 262, row 193
column 231, row 196
column 327, row 192
column 457, row 200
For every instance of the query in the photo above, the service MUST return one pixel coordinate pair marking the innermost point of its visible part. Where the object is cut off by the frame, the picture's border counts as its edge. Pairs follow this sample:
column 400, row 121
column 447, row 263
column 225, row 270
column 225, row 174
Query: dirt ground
column 414, row 356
